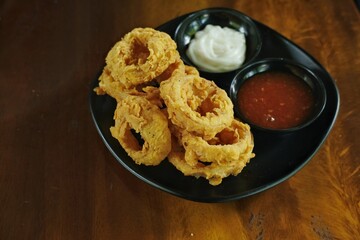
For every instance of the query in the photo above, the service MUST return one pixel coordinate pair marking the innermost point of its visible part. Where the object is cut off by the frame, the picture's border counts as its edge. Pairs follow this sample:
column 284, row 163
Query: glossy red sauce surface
column 275, row 100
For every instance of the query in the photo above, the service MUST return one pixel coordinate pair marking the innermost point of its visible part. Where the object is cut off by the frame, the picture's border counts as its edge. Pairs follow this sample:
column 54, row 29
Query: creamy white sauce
column 217, row 49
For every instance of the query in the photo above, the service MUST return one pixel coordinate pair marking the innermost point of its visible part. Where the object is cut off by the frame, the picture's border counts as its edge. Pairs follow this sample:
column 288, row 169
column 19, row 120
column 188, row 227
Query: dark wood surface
column 59, row 181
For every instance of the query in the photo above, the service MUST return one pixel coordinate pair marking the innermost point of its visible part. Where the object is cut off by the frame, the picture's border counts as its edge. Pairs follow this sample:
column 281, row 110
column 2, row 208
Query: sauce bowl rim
column 267, row 65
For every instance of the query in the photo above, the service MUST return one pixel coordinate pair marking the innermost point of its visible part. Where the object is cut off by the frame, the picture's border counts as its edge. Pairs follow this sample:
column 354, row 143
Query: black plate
column 278, row 157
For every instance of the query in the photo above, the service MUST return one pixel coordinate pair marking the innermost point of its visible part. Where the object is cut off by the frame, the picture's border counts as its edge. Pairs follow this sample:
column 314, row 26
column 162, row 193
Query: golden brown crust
column 142, row 55
column 137, row 113
column 188, row 119
column 227, row 154
column 197, row 105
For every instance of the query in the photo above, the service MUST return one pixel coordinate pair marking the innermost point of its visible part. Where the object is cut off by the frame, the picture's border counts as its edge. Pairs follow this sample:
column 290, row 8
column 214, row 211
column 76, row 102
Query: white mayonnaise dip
column 217, row 49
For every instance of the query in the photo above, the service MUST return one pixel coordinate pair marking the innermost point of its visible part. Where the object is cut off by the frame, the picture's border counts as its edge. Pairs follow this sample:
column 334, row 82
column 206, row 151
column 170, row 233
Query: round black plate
column 278, row 157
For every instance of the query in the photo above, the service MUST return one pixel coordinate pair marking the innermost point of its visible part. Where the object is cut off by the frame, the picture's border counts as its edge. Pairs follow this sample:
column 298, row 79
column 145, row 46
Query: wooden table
column 59, row 181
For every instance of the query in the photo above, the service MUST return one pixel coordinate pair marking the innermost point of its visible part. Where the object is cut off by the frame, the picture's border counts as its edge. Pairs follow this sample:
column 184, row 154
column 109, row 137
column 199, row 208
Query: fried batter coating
column 176, row 68
column 108, row 85
column 137, row 113
column 176, row 113
column 226, row 154
column 142, row 55
column 190, row 70
column 197, row 105
column 213, row 172
column 230, row 145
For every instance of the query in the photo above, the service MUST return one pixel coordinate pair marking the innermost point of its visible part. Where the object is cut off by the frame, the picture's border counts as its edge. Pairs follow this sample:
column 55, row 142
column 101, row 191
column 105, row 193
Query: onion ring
column 232, row 144
column 142, row 55
column 137, row 113
column 197, row 105
column 213, row 172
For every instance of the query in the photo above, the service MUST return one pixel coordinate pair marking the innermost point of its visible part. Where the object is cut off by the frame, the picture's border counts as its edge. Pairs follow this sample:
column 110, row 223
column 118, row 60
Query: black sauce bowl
column 222, row 17
column 285, row 66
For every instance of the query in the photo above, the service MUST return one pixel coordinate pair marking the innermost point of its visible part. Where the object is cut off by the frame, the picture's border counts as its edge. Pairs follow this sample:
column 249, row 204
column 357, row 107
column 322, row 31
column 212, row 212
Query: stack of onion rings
column 207, row 141
column 178, row 114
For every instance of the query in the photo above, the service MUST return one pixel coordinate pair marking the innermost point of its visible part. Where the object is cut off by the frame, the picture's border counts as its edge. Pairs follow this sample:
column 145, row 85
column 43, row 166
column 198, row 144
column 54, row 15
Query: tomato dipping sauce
column 275, row 100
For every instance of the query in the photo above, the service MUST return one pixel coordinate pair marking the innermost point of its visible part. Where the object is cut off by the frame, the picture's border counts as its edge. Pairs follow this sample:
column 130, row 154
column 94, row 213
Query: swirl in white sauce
column 217, row 49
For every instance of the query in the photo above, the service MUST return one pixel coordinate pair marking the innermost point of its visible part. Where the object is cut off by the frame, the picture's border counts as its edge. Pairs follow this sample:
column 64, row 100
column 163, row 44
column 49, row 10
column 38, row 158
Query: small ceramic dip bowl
column 225, row 19
column 277, row 95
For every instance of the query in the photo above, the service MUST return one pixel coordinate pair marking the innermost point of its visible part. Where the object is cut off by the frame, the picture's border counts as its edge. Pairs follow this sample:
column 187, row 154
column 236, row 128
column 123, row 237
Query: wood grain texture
column 58, row 180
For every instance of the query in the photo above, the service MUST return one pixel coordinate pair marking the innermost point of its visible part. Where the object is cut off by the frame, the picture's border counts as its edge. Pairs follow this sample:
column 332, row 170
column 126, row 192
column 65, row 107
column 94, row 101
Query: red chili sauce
column 275, row 100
